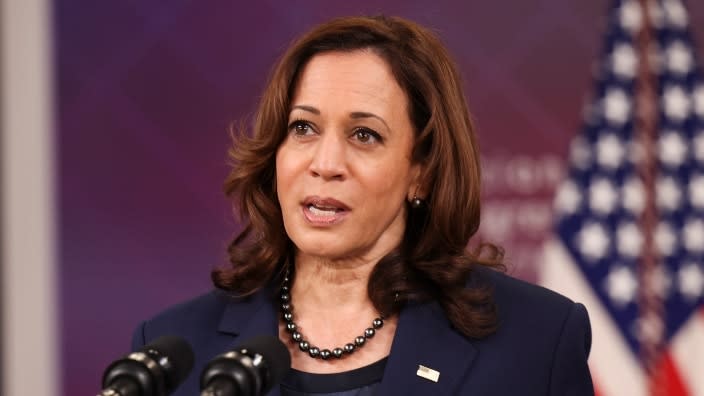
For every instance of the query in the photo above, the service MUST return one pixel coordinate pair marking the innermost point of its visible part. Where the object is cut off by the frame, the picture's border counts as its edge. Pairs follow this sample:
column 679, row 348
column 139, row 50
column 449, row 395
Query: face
column 343, row 173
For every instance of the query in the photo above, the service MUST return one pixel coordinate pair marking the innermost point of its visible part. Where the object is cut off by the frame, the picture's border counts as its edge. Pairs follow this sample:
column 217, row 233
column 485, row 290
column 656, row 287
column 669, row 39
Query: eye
column 366, row 136
column 300, row 127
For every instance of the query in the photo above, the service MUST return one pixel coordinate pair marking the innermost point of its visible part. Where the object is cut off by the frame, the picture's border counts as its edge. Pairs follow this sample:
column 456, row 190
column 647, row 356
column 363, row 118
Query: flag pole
column 651, row 310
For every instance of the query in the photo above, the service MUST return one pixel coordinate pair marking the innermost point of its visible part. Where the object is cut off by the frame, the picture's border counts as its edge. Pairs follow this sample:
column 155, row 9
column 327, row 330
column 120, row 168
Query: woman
column 359, row 190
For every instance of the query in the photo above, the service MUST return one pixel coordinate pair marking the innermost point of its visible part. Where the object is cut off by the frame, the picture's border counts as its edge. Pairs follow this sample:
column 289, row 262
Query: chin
column 327, row 247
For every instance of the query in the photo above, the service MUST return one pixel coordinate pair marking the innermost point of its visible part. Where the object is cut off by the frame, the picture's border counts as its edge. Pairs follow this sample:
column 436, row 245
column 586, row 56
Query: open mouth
column 324, row 210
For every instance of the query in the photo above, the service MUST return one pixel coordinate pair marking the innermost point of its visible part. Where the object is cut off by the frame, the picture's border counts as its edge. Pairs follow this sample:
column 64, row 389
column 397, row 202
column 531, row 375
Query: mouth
column 324, row 211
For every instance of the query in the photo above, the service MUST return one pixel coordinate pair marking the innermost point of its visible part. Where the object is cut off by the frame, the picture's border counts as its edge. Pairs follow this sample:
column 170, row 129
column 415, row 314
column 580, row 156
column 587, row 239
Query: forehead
column 359, row 75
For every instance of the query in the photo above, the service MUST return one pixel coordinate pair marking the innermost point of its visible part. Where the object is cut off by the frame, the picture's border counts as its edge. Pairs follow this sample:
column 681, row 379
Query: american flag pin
column 428, row 373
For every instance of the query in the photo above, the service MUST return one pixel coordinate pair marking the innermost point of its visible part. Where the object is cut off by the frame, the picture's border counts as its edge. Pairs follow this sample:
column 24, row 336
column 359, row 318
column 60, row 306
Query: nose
column 329, row 160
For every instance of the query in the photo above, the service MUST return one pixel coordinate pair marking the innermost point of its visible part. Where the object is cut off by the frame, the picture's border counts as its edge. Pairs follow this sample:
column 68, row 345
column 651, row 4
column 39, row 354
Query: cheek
column 285, row 175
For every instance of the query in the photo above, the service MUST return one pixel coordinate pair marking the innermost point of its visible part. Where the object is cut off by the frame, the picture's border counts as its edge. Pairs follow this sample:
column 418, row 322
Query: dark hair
column 432, row 261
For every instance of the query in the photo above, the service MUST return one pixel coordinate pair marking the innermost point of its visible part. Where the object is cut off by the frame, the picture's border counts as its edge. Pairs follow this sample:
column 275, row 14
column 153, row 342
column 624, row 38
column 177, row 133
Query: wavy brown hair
column 432, row 262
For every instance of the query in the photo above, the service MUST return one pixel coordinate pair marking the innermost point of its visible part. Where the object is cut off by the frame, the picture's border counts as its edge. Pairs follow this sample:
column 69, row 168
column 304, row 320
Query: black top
column 358, row 382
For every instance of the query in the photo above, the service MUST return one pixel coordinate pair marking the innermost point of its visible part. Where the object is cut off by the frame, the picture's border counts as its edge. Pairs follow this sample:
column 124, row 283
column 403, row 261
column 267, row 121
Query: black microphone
column 251, row 369
column 155, row 370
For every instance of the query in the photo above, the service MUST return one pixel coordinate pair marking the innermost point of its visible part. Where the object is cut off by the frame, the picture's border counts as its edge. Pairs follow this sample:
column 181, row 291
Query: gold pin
column 428, row 373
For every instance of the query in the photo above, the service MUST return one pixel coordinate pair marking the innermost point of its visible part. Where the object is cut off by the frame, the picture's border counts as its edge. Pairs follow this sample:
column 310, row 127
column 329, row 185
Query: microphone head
column 175, row 357
column 250, row 369
column 274, row 353
column 156, row 369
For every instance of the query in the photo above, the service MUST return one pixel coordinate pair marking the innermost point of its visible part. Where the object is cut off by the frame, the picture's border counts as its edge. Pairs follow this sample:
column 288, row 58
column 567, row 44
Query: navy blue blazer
column 540, row 348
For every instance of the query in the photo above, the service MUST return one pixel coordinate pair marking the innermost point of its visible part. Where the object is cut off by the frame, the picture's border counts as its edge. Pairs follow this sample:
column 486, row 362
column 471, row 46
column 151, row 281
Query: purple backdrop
column 146, row 91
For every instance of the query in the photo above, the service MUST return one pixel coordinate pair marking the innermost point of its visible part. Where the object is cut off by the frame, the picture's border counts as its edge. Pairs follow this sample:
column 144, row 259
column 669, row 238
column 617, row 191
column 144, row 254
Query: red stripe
column 667, row 380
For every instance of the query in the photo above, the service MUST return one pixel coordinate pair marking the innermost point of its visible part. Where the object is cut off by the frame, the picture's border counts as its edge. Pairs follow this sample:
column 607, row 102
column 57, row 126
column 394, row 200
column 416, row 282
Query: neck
column 331, row 285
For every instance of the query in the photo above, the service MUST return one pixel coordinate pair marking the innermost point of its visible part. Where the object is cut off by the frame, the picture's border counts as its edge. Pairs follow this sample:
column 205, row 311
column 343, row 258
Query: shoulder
column 536, row 310
column 545, row 333
column 528, row 312
column 516, row 298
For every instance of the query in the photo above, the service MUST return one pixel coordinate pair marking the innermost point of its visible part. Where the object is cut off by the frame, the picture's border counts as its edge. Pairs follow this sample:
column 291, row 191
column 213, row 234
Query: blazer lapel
column 246, row 319
column 424, row 337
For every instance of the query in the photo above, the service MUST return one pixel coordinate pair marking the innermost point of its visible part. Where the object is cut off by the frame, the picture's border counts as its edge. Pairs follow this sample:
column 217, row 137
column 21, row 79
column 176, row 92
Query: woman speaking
column 358, row 188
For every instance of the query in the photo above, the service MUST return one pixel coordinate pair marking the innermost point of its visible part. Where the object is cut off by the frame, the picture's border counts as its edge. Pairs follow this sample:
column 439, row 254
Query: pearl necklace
column 313, row 351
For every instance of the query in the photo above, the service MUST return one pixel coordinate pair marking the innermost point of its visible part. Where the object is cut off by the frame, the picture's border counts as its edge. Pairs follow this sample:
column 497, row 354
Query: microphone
column 155, row 370
column 251, row 369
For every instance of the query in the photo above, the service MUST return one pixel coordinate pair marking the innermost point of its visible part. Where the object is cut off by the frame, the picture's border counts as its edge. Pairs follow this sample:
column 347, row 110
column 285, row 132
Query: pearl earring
column 416, row 202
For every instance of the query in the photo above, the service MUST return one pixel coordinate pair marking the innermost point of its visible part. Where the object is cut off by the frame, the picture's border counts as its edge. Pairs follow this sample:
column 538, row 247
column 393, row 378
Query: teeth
column 321, row 212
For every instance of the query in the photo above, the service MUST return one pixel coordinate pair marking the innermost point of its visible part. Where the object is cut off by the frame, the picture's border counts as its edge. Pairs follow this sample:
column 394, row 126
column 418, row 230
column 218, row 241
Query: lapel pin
column 428, row 373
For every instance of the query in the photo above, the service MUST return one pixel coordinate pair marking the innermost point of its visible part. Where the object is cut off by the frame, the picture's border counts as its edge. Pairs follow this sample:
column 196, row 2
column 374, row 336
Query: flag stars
column 602, row 196
column 698, row 98
column 693, row 236
column 660, row 281
column 696, row 191
column 676, row 13
column 621, row 285
column 690, row 279
column 568, row 198
column 679, row 58
column 633, row 195
column 656, row 14
column 580, row 153
column 624, row 61
column 629, row 240
column 609, row 151
column 650, row 328
column 617, row 106
column 698, row 146
column 676, row 103
column 630, row 16
column 593, row 241
column 665, row 239
column 672, row 148
column 668, row 193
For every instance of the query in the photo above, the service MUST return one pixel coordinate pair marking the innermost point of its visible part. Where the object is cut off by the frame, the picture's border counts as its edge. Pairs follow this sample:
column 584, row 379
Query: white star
column 621, row 285
column 580, row 153
column 672, row 148
column 698, row 97
column 676, row 102
column 593, row 241
column 650, row 328
column 668, row 193
column 690, row 278
column 693, row 236
column 676, row 13
column 602, row 196
column 698, row 146
column 696, row 191
column 633, row 195
column 617, row 106
column 568, row 198
column 629, row 239
column 624, row 61
column 630, row 16
column 609, row 151
column 679, row 58
column 665, row 239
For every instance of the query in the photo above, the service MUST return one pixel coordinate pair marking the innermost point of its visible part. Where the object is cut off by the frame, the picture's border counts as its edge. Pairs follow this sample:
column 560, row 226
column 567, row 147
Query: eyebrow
column 307, row 108
column 353, row 115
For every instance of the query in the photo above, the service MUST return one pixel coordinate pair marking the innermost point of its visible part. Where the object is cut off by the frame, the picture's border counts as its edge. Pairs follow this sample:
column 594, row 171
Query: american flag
column 629, row 233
